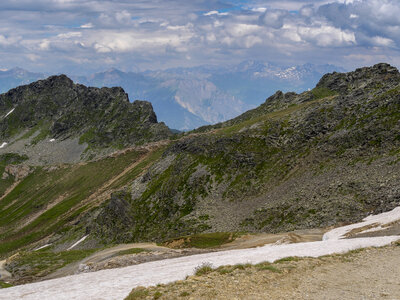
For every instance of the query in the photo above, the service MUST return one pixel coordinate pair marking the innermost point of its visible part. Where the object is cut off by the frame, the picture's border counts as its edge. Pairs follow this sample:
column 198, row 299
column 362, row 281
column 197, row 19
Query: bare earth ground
column 372, row 273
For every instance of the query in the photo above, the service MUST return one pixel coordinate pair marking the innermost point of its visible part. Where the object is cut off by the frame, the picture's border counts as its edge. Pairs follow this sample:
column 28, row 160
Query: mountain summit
column 56, row 109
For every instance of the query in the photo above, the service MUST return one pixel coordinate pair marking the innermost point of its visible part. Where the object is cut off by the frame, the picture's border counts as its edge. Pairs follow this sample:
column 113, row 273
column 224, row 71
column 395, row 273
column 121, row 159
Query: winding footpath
column 117, row 283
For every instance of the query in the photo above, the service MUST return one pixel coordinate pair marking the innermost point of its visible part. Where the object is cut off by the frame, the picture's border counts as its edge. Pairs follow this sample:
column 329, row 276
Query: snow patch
column 3, row 145
column 44, row 246
column 117, row 283
column 78, row 242
column 52, row 140
column 9, row 112
column 371, row 223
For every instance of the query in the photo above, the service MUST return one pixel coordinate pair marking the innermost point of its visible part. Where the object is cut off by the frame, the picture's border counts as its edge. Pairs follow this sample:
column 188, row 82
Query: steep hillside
column 57, row 118
column 315, row 159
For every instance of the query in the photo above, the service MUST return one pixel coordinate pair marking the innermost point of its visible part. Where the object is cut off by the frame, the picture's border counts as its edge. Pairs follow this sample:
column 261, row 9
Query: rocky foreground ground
column 371, row 273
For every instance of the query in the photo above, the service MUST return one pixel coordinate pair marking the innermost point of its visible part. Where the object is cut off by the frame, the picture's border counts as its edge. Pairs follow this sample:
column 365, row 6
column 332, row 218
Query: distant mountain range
column 186, row 98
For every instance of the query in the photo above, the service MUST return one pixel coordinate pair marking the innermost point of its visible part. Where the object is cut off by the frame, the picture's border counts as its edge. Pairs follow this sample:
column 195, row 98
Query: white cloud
column 87, row 26
column 33, row 57
column 8, row 41
column 251, row 41
column 123, row 17
column 381, row 41
column 107, row 41
column 167, row 31
column 274, row 18
column 69, row 35
column 326, row 36
column 215, row 12
column 240, row 30
column 259, row 9
column 44, row 44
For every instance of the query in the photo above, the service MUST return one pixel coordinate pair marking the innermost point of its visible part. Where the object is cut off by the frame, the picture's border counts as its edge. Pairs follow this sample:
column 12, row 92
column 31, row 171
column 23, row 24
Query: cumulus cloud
column 274, row 18
column 158, row 34
column 326, row 36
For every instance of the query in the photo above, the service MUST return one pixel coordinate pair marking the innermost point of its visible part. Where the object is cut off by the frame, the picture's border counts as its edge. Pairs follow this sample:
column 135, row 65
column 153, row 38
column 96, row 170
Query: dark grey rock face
column 114, row 220
column 61, row 109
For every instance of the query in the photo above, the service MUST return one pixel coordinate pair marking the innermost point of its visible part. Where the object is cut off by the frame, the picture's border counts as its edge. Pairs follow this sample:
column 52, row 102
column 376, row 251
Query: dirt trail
column 261, row 239
column 104, row 255
column 104, row 192
column 30, row 218
column 9, row 190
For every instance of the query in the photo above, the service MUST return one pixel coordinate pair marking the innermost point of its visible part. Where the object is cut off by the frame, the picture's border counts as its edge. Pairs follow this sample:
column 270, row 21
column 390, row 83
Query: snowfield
column 117, row 283
column 369, row 224
column 9, row 113
column 77, row 243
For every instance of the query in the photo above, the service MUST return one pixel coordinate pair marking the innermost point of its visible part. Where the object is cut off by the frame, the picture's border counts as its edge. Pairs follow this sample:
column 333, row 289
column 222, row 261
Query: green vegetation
column 267, row 267
column 322, row 92
column 43, row 262
column 12, row 159
column 87, row 137
column 4, row 285
column 66, row 187
column 138, row 293
column 131, row 251
column 203, row 269
column 229, row 269
column 139, row 168
column 44, row 133
column 287, row 259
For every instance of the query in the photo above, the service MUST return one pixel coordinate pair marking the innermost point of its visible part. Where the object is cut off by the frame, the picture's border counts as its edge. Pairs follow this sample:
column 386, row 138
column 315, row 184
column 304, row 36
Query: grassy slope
column 34, row 265
column 71, row 184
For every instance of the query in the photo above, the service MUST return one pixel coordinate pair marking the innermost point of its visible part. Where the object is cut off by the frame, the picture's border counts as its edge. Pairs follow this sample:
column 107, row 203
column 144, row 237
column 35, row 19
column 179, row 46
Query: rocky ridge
column 47, row 112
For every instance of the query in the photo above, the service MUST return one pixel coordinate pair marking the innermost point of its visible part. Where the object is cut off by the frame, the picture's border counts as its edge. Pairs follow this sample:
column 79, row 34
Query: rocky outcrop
column 60, row 109
column 115, row 219
column 17, row 171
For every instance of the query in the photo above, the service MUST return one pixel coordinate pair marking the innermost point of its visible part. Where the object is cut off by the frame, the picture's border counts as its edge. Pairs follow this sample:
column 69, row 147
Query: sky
column 84, row 36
